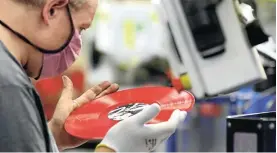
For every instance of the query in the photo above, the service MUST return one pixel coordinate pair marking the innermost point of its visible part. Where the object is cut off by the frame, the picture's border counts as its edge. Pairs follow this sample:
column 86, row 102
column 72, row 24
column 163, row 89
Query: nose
column 86, row 14
column 86, row 22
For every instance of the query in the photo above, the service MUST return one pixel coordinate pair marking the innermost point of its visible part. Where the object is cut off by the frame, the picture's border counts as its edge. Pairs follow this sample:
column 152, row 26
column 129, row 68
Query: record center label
column 123, row 112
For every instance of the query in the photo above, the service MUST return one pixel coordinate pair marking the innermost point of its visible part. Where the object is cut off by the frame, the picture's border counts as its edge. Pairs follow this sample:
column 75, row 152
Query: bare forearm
column 55, row 135
column 61, row 147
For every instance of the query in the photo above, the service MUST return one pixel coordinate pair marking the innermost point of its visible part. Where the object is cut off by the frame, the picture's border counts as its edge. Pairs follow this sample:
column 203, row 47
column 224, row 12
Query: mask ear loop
column 63, row 47
column 39, row 73
column 41, row 68
column 39, row 48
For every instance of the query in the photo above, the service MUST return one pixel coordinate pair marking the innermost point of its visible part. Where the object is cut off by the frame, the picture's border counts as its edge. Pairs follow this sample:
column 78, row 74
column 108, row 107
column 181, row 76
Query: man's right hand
column 134, row 135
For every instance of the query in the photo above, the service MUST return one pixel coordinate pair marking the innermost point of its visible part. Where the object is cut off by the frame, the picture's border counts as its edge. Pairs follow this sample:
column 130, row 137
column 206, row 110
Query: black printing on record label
column 123, row 112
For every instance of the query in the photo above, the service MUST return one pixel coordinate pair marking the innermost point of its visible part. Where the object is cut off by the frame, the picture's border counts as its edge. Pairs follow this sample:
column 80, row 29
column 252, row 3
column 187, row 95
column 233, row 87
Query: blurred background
column 133, row 52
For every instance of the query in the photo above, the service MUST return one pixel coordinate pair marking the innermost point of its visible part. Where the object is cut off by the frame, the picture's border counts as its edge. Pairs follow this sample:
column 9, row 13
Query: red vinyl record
column 94, row 119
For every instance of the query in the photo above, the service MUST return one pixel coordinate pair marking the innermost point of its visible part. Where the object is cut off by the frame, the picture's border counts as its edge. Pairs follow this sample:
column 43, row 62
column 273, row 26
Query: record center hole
column 123, row 112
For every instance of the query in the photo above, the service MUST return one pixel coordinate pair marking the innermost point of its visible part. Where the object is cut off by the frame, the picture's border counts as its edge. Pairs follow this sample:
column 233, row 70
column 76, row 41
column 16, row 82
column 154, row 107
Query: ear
column 50, row 8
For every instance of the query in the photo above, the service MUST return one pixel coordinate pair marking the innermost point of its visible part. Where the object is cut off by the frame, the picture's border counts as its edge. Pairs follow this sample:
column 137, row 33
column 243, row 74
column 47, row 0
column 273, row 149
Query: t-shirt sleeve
column 21, row 128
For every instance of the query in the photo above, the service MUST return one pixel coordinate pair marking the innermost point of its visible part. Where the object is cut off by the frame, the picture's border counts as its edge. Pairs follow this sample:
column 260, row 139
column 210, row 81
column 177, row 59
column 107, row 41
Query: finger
column 96, row 90
column 147, row 114
column 91, row 94
column 170, row 126
column 113, row 88
column 67, row 92
column 183, row 116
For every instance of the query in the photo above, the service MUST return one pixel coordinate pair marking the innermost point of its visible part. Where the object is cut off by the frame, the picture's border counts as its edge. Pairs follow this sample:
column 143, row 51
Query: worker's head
column 51, row 28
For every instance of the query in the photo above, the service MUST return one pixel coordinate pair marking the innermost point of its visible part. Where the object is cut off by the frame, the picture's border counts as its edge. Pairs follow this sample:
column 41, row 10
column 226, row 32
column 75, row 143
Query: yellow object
column 101, row 145
column 123, row 66
column 154, row 17
column 129, row 33
column 184, row 78
column 127, row 65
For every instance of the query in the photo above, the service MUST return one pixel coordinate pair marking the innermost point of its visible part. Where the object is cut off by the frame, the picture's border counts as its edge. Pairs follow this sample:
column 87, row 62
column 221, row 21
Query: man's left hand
column 66, row 105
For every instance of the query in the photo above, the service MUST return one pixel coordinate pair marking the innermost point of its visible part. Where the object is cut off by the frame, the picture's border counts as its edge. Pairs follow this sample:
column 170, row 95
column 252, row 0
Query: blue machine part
column 262, row 104
column 248, row 101
column 172, row 143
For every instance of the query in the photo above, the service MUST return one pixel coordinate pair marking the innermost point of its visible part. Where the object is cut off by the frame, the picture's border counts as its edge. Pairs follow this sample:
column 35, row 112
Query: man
column 39, row 39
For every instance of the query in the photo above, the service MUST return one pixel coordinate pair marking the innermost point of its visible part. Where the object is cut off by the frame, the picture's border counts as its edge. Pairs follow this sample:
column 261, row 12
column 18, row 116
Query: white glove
column 133, row 135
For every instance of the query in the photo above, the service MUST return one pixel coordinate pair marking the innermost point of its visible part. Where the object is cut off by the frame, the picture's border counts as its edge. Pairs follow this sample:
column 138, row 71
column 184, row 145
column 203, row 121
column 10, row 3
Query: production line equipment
column 216, row 43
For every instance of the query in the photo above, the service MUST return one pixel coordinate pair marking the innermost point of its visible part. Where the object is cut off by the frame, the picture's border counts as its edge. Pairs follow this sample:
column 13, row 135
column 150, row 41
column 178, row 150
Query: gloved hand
column 134, row 135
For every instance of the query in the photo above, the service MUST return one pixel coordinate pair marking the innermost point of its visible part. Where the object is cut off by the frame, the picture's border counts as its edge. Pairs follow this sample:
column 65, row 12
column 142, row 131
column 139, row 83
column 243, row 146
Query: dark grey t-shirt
column 23, row 127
